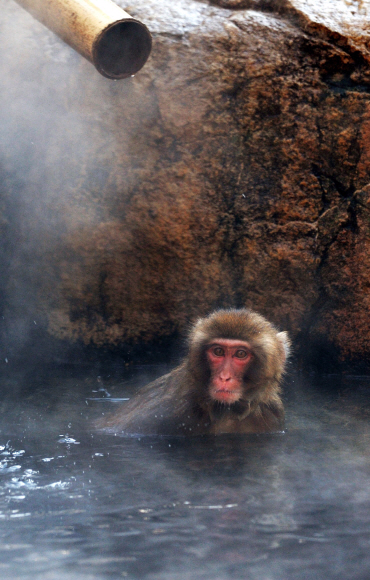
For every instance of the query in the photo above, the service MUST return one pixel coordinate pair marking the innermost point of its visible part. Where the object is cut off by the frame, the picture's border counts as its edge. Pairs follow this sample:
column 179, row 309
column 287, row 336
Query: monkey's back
column 157, row 409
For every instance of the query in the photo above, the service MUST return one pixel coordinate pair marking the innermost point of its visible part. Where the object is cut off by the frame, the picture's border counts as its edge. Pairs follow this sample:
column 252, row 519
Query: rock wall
column 232, row 170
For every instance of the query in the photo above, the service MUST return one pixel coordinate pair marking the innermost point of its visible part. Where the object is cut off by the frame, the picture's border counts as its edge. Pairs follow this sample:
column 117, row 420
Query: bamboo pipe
column 116, row 44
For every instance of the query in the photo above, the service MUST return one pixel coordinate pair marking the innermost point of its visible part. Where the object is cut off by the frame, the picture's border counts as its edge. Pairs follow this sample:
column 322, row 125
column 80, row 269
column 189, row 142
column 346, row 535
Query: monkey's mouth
column 226, row 396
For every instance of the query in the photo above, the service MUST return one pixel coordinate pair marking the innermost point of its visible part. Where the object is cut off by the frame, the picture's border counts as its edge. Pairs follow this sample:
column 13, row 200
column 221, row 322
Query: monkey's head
column 236, row 358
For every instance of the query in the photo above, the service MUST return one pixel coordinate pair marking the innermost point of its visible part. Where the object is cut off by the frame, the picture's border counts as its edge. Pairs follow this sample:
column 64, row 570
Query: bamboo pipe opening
column 122, row 49
column 117, row 44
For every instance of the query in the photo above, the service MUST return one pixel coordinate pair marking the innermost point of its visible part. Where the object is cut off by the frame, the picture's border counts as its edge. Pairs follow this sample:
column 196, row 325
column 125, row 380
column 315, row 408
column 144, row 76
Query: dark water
column 80, row 505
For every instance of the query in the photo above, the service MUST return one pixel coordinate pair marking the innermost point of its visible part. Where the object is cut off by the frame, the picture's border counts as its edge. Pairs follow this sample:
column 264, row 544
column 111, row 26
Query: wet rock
column 232, row 170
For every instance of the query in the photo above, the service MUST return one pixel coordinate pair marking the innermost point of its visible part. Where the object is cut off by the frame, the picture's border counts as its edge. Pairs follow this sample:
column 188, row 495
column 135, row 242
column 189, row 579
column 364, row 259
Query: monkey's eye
column 218, row 351
column 240, row 353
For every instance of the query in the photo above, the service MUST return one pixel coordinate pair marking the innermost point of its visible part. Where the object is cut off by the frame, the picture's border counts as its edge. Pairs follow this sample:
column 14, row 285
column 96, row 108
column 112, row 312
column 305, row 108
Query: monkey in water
column 228, row 383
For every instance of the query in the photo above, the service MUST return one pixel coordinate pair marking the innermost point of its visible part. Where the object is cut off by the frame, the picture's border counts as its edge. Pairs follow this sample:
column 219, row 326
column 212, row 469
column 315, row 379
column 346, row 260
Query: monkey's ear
column 285, row 342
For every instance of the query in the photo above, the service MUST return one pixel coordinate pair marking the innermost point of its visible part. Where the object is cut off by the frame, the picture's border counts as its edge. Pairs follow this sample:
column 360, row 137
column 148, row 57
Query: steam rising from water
column 60, row 157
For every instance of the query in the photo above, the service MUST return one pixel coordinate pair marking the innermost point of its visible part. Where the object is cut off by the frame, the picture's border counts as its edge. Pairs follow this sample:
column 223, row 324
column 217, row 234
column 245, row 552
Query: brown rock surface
column 232, row 170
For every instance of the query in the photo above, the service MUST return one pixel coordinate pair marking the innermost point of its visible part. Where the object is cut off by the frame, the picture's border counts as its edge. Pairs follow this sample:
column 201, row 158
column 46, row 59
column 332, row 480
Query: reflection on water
column 77, row 504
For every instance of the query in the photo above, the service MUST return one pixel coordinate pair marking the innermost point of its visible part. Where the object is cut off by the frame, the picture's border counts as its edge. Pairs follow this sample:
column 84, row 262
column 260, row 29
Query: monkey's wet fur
column 228, row 383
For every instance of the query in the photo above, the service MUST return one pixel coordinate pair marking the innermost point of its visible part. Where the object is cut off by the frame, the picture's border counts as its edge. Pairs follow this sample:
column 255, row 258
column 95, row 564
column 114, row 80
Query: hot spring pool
column 76, row 504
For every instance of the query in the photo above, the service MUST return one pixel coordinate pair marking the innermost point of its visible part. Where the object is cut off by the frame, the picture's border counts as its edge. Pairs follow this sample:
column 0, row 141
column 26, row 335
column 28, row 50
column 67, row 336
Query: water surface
column 77, row 504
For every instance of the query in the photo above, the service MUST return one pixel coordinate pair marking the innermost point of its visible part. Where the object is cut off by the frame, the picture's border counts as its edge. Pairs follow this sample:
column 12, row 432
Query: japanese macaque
column 228, row 383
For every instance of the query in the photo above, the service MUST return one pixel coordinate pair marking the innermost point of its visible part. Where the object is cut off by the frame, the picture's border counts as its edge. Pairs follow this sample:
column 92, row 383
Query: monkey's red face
column 228, row 360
